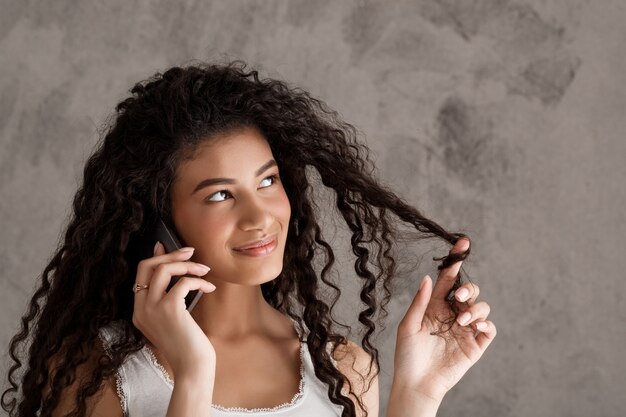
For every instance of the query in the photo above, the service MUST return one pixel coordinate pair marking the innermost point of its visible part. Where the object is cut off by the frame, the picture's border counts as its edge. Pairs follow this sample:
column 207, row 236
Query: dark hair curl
column 126, row 187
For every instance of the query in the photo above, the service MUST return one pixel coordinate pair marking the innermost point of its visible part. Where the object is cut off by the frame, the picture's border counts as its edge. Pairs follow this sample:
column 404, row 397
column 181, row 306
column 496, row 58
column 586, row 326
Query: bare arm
column 193, row 394
column 402, row 402
column 353, row 363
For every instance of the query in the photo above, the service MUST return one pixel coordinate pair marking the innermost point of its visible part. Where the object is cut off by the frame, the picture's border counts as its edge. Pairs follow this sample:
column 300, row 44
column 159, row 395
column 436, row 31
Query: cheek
column 212, row 248
column 283, row 209
column 212, row 233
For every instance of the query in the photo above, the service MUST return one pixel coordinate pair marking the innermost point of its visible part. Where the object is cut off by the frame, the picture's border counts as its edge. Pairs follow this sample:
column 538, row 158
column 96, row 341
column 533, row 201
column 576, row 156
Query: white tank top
column 145, row 388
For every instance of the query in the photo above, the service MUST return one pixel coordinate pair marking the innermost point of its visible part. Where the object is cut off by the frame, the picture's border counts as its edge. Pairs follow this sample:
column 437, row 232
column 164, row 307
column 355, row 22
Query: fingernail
column 211, row 286
column 462, row 294
column 481, row 326
column 422, row 283
column 187, row 249
column 206, row 268
column 464, row 318
column 156, row 245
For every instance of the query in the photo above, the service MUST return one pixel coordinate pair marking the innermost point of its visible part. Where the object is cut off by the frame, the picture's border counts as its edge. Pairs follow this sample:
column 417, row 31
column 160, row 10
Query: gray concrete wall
column 503, row 119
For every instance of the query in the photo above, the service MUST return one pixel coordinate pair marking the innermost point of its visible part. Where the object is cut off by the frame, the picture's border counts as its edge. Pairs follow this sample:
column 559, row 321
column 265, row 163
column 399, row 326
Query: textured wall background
column 502, row 119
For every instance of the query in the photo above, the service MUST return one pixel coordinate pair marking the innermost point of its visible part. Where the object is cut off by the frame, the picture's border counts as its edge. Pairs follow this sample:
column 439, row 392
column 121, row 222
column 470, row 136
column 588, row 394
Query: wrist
column 428, row 392
column 192, row 395
column 199, row 375
column 425, row 395
column 407, row 402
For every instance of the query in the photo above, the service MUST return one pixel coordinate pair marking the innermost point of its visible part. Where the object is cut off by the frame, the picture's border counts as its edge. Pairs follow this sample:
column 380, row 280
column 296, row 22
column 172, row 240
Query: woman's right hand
column 162, row 316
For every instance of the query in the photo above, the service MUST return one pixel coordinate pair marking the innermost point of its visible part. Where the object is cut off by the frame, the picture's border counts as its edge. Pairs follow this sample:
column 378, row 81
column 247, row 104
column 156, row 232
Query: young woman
column 221, row 156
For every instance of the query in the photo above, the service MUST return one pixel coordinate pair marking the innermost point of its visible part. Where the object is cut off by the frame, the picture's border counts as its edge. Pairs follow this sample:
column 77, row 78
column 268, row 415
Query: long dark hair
column 126, row 187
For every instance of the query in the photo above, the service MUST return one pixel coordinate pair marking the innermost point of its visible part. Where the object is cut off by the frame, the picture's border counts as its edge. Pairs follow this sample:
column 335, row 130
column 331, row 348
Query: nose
column 255, row 214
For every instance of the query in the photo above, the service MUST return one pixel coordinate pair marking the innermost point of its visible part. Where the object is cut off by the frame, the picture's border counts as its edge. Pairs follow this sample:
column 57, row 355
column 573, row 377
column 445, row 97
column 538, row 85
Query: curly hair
column 125, row 188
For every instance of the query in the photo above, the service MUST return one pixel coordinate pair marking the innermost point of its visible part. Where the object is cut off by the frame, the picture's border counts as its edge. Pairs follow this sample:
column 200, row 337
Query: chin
column 266, row 273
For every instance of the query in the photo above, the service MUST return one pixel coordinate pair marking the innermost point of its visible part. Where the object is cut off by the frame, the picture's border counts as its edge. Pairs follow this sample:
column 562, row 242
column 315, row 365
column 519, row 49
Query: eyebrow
column 213, row 181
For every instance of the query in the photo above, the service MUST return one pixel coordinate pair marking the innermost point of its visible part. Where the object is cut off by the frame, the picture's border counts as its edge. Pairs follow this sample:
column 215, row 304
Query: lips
column 257, row 244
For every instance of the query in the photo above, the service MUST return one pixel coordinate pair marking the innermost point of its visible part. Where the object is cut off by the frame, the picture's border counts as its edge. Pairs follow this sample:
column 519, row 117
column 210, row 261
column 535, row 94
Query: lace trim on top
column 120, row 379
column 291, row 403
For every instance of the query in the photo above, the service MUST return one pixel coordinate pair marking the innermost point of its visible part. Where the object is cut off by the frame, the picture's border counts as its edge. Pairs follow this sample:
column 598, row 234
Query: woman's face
column 242, row 206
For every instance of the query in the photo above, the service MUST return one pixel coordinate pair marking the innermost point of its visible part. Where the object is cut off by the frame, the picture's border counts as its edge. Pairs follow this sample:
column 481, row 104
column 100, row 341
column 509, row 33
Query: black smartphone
column 171, row 242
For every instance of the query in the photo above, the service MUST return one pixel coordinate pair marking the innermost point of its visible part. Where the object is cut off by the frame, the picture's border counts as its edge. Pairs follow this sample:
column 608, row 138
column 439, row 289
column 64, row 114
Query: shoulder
column 104, row 402
column 354, row 363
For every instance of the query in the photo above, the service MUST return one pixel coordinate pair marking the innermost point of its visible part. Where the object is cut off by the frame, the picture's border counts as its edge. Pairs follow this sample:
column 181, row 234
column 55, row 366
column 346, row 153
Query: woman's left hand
column 429, row 364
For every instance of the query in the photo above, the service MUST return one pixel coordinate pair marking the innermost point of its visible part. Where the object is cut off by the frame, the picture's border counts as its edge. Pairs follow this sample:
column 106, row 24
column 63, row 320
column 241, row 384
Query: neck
column 233, row 312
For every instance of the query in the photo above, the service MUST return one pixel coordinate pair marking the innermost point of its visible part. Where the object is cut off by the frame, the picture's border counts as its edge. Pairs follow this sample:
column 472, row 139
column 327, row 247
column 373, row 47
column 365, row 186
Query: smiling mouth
column 260, row 251
column 259, row 244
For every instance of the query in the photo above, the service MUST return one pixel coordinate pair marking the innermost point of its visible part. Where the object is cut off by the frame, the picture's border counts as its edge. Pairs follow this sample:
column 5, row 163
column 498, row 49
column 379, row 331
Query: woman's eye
column 219, row 192
column 274, row 178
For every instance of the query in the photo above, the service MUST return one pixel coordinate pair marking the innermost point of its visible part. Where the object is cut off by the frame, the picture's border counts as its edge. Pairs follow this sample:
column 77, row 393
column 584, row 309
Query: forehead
column 230, row 154
column 243, row 143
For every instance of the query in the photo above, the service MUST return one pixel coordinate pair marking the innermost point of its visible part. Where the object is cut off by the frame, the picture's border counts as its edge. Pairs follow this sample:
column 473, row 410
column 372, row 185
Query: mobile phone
column 171, row 242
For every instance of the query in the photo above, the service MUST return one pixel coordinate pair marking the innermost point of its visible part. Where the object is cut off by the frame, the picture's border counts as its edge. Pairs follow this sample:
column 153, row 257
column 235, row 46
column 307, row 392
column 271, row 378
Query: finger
column 486, row 335
column 163, row 274
column 144, row 272
column 447, row 276
column 412, row 320
column 186, row 284
column 159, row 249
column 478, row 311
column 146, row 266
column 467, row 293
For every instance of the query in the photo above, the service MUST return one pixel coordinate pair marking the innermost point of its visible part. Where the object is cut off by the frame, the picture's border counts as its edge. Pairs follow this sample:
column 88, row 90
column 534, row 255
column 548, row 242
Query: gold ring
column 139, row 287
